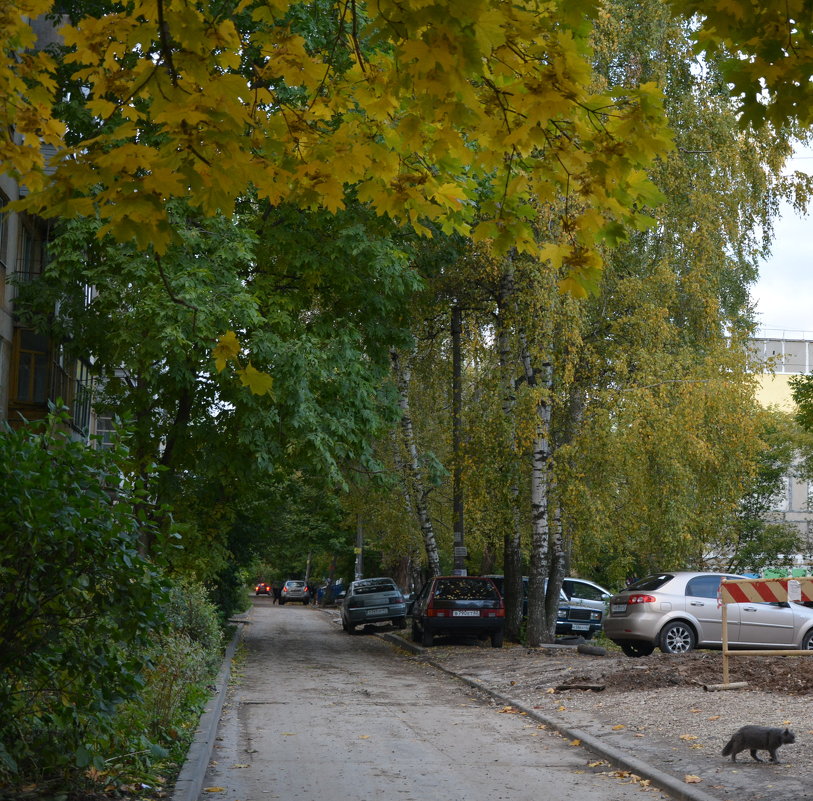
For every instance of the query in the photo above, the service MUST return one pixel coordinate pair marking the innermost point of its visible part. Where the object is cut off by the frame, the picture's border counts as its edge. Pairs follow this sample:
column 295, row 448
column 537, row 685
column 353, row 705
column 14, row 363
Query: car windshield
column 464, row 589
column 651, row 582
column 380, row 585
column 296, row 584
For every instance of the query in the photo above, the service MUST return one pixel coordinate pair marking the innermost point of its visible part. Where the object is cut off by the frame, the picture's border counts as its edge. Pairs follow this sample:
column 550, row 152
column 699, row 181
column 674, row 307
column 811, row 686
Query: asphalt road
column 315, row 713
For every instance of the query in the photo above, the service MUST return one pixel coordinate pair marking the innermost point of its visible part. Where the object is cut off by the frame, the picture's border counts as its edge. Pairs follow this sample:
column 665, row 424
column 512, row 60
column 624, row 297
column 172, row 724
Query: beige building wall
column 787, row 357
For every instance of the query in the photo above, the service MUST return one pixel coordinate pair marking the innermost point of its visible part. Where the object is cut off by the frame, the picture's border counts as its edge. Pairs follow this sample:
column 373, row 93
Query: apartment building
column 783, row 355
column 34, row 370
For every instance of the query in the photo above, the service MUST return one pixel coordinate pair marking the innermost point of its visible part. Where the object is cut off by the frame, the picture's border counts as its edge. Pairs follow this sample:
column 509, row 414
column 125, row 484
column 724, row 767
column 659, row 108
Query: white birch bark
column 418, row 492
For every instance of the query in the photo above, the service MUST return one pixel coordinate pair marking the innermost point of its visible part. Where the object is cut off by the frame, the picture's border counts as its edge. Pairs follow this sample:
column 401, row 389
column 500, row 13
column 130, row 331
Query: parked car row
column 673, row 611
column 464, row 605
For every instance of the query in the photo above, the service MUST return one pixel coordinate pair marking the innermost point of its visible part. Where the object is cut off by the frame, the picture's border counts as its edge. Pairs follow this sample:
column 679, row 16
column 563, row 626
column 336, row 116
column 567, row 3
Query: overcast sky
column 784, row 293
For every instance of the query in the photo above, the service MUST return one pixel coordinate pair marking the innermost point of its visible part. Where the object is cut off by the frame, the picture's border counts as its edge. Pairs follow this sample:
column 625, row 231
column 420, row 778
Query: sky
column 783, row 295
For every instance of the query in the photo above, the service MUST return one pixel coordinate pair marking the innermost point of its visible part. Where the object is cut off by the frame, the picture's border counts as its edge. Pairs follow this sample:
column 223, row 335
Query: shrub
column 78, row 604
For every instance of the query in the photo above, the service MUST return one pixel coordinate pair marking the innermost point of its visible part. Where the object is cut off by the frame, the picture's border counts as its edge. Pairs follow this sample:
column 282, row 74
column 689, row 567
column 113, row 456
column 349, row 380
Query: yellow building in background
column 784, row 355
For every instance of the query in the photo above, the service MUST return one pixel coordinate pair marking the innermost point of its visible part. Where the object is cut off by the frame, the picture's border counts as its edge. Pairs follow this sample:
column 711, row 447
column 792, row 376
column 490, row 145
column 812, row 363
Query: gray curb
column 672, row 785
column 189, row 783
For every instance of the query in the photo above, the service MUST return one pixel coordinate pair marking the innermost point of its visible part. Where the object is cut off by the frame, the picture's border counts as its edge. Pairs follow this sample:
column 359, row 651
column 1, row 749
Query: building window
column 80, row 406
column 31, row 385
column 33, row 252
column 3, row 231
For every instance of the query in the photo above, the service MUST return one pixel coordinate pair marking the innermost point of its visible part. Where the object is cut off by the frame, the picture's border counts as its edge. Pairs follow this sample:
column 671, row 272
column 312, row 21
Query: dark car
column 574, row 616
column 373, row 600
column 458, row 605
column 262, row 589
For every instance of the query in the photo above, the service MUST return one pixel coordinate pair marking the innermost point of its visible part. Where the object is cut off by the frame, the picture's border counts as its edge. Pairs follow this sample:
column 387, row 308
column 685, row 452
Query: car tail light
column 285, row 589
column 432, row 612
column 493, row 613
column 639, row 598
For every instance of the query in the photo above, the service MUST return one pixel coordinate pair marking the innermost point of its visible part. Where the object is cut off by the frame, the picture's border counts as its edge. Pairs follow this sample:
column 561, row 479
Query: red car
column 263, row 589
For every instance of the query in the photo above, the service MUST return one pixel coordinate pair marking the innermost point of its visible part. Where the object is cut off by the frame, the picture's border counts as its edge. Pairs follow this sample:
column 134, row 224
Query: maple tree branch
column 172, row 296
column 166, row 48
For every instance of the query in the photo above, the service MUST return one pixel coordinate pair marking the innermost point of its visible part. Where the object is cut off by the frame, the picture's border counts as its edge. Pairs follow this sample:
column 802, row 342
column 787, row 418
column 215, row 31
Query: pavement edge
column 189, row 783
column 670, row 784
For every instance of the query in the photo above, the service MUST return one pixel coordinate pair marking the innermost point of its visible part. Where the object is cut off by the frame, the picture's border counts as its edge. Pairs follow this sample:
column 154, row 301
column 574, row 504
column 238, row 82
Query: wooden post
column 725, row 643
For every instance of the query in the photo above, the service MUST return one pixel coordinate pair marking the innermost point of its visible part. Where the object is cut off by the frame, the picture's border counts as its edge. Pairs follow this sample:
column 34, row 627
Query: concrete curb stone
column 190, row 780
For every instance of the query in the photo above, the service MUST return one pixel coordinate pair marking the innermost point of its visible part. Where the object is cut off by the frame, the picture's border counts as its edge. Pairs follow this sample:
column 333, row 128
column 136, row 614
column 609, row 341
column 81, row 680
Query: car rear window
column 465, row 589
column 374, row 586
column 651, row 582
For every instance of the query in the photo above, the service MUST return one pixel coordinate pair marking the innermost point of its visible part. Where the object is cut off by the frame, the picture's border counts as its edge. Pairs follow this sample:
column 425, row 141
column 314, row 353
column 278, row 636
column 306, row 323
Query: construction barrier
column 766, row 590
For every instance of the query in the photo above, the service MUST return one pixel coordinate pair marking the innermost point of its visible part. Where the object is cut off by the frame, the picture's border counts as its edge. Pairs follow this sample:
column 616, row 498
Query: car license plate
column 618, row 608
column 376, row 612
column 465, row 613
column 580, row 627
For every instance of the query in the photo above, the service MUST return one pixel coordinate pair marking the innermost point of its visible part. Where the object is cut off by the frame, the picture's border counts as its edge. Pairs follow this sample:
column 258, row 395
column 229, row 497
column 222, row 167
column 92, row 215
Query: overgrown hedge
column 101, row 657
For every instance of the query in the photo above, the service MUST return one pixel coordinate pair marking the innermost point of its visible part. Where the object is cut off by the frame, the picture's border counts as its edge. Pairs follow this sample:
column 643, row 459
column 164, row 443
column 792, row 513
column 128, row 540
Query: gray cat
column 758, row 738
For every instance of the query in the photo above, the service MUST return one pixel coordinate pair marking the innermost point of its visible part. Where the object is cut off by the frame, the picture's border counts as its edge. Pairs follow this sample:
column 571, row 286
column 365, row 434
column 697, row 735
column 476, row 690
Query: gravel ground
column 657, row 708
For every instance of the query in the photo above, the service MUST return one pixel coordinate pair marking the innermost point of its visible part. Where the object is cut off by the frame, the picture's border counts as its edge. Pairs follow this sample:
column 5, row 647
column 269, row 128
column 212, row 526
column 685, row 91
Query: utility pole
column 457, row 444
column 359, row 549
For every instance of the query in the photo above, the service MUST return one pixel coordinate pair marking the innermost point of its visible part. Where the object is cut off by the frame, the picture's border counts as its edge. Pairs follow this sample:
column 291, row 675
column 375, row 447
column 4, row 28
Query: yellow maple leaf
column 226, row 349
column 691, row 779
column 258, row 382
column 575, row 742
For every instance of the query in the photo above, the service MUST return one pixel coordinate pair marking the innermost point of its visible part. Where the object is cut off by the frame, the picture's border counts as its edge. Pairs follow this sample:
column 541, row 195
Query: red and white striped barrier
column 742, row 591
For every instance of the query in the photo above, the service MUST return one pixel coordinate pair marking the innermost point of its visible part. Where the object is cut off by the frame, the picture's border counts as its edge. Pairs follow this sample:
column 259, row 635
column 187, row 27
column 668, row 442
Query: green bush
column 78, row 604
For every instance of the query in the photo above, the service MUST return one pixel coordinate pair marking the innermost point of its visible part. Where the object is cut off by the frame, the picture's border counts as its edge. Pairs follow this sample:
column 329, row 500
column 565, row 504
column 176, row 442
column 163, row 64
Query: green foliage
column 78, row 603
column 756, row 541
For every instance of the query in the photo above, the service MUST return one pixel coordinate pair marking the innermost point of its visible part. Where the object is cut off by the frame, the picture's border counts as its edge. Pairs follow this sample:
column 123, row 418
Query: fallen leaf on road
column 509, row 710
column 687, row 737
column 619, row 726
column 596, row 764
column 690, row 779
column 364, row 736
column 575, row 742
column 289, row 734
column 240, row 766
column 695, row 711
column 714, row 717
column 214, row 789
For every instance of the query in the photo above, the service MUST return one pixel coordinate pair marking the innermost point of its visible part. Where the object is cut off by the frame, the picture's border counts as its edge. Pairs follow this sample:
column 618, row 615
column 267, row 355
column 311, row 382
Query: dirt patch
column 779, row 674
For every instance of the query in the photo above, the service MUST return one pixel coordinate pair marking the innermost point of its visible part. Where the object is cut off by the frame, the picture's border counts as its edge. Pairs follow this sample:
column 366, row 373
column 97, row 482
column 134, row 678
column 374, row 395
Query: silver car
column 679, row 611
column 373, row 600
column 294, row 590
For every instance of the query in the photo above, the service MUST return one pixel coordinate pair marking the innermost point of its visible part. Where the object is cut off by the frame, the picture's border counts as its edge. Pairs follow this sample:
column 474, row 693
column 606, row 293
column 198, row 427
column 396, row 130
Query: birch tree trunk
column 418, row 492
column 538, row 629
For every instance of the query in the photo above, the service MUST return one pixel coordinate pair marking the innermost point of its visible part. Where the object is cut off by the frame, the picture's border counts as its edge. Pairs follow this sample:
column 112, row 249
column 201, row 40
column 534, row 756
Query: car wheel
column 496, row 639
column 807, row 641
column 399, row 622
column 427, row 638
column 636, row 648
column 677, row 638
